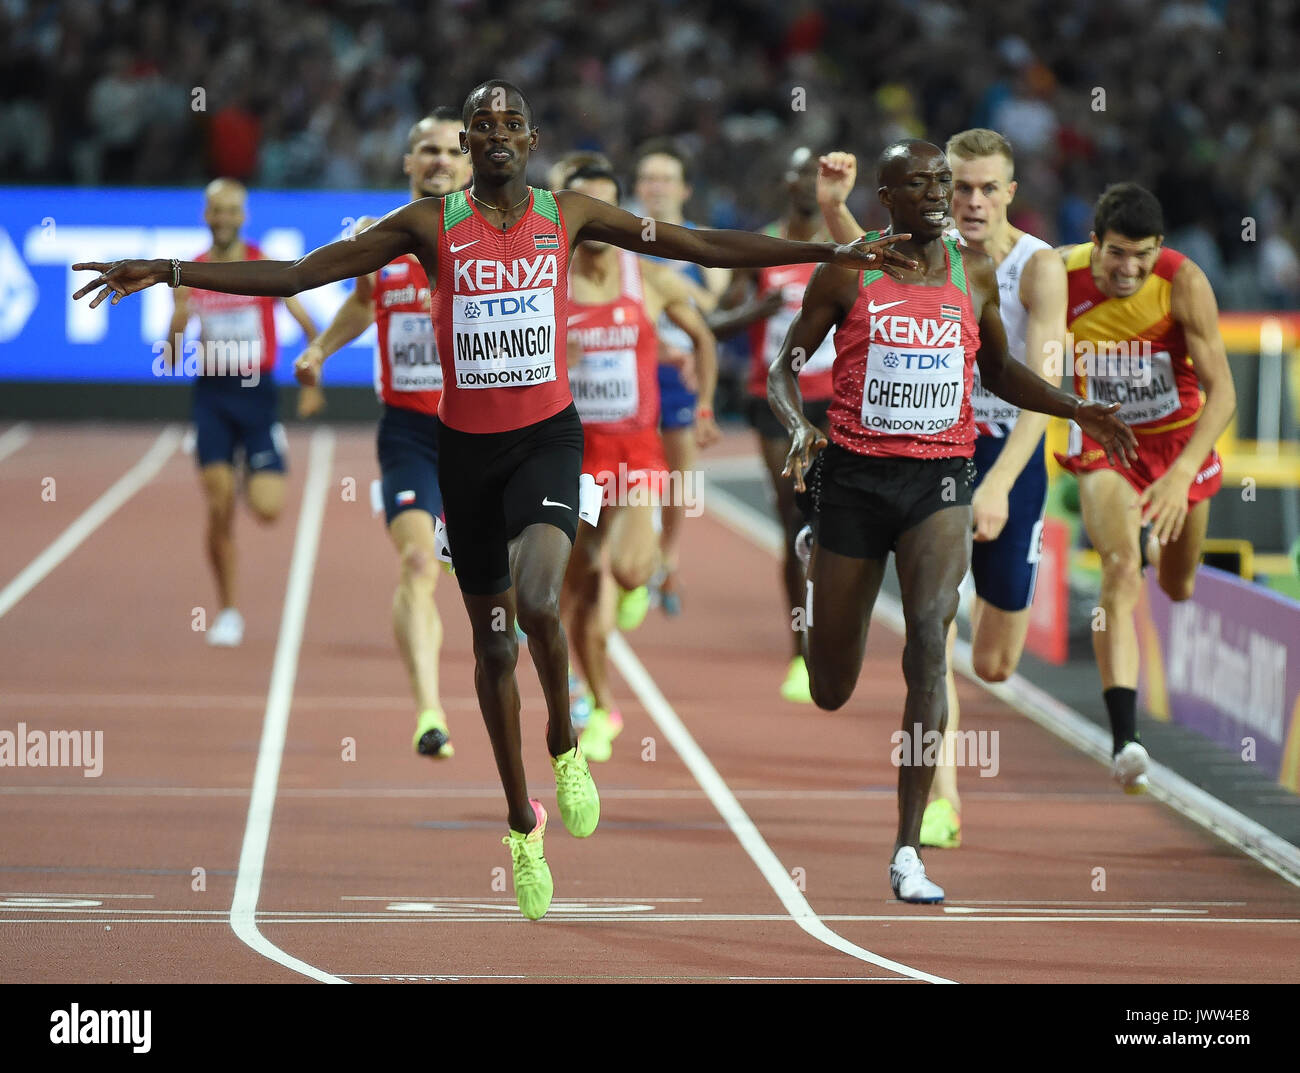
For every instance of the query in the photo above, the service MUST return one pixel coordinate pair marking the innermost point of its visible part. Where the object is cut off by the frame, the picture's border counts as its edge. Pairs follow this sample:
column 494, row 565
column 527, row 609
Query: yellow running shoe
column 795, row 687
column 632, row 607
column 575, row 791
column 941, row 825
column 597, row 740
column 533, row 886
column 431, row 736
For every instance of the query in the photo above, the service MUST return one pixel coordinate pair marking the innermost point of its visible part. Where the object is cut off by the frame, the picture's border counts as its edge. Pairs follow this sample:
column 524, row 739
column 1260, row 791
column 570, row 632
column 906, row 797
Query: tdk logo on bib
column 505, row 306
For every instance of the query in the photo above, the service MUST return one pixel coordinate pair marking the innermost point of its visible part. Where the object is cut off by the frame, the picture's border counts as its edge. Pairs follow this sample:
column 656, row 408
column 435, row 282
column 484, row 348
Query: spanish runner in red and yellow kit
column 1131, row 351
column 1146, row 337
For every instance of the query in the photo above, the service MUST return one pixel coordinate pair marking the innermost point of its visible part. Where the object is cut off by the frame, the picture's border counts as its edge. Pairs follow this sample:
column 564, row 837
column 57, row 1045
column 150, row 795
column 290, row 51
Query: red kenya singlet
column 904, row 363
column 499, row 313
column 237, row 318
column 407, row 372
column 616, row 386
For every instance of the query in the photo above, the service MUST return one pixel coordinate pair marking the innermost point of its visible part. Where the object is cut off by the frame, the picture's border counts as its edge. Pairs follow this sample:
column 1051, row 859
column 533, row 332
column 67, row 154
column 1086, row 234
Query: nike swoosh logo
column 575, row 317
column 465, row 246
column 781, row 279
column 551, row 503
column 873, row 308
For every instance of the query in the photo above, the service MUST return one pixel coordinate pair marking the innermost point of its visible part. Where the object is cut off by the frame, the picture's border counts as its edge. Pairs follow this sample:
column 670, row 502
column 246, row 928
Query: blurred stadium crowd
column 1198, row 99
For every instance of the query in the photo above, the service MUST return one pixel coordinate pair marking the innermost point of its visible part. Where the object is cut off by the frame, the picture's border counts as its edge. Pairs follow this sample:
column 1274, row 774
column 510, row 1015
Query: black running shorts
column 766, row 424
column 864, row 504
column 496, row 484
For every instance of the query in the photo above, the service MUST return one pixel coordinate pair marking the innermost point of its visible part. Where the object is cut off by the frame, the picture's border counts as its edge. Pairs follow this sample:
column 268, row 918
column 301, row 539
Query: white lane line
column 1166, row 785
column 14, row 438
column 490, row 793
column 275, row 725
column 776, row 874
column 605, row 921
column 94, row 516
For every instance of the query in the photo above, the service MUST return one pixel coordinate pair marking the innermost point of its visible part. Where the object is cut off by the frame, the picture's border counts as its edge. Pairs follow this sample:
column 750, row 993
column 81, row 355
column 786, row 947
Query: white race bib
column 412, row 353
column 604, row 386
column 1145, row 389
column 778, row 326
column 504, row 339
column 914, row 392
column 233, row 325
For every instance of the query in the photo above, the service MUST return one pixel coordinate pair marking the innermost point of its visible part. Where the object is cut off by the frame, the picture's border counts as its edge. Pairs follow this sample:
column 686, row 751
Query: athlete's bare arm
column 1164, row 503
column 673, row 297
column 588, row 218
column 1008, row 379
column 353, row 317
column 1043, row 289
column 741, row 305
column 830, row 295
column 836, row 175
column 180, row 318
column 411, row 229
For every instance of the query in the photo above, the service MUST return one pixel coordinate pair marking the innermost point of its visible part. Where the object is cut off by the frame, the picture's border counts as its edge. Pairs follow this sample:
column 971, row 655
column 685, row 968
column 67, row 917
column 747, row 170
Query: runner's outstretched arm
column 590, row 219
column 410, row 229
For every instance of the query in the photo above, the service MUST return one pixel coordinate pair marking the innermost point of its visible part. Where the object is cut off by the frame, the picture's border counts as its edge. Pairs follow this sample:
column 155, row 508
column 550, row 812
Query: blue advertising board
column 46, row 336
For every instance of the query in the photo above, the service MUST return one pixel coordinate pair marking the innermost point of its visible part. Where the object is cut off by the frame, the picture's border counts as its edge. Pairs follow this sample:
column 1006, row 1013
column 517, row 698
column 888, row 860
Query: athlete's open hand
column 804, row 445
column 1115, row 437
column 837, row 173
column 873, row 254
column 307, row 367
column 1164, row 504
column 121, row 278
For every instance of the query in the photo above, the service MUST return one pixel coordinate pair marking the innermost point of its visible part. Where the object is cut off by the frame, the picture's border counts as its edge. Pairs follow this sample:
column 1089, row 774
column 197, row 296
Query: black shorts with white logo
column 864, row 504
column 496, row 484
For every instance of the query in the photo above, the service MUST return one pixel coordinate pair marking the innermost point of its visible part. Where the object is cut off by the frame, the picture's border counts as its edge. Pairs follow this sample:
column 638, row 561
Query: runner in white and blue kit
column 1011, row 488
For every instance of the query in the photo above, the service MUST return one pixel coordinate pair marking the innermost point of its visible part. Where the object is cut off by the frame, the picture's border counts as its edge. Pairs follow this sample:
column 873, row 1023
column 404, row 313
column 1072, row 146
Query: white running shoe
column 907, row 877
column 228, row 630
column 1129, row 768
column 803, row 543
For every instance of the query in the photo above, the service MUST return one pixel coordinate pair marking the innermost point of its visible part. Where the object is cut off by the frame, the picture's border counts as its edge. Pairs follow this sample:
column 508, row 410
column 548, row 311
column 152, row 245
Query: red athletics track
column 387, row 867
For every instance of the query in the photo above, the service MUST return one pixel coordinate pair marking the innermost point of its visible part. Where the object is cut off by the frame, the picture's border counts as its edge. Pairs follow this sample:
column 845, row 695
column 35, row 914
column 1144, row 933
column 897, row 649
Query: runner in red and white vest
column 616, row 299
column 510, row 442
column 397, row 299
column 1011, row 477
column 897, row 473
column 236, row 408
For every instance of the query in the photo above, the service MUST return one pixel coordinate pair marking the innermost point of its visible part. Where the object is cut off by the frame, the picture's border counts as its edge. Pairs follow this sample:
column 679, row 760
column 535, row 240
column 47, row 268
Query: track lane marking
column 279, row 699
column 14, row 438
column 91, row 518
column 736, row 817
